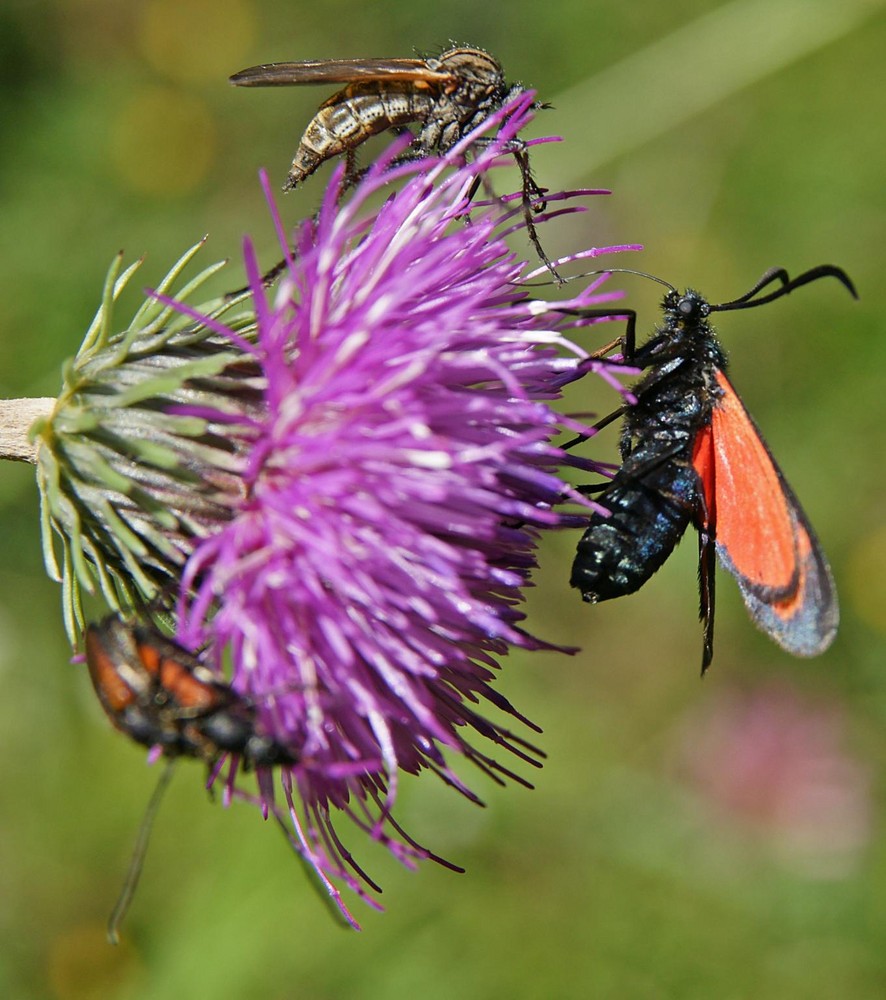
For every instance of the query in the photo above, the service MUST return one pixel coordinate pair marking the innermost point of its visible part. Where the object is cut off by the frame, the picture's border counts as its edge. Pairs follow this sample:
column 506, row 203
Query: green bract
column 130, row 472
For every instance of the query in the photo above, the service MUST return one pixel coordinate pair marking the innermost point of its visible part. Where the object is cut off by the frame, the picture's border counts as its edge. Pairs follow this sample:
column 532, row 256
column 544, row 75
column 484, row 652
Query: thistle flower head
column 393, row 486
column 347, row 479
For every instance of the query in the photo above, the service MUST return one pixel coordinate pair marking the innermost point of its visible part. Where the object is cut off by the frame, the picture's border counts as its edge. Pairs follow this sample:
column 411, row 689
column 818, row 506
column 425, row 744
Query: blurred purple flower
column 776, row 762
column 393, row 488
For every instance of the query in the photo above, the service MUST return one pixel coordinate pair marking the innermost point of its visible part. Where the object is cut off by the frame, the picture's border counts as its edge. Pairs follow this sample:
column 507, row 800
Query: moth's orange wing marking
column 763, row 537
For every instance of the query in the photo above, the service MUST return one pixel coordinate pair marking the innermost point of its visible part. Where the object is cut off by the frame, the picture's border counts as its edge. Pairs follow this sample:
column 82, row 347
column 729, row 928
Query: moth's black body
column 655, row 494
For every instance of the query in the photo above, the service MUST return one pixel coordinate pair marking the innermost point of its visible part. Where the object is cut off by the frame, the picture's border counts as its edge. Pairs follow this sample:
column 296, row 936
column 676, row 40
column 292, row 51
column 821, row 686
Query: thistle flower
column 351, row 484
column 394, row 483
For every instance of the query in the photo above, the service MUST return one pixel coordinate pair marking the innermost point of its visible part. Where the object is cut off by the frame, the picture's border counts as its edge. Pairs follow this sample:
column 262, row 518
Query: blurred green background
column 687, row 839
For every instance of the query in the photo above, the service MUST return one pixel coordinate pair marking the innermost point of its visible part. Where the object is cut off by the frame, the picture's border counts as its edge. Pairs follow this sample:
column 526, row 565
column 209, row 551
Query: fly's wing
column 318, row 71
column 763, row 538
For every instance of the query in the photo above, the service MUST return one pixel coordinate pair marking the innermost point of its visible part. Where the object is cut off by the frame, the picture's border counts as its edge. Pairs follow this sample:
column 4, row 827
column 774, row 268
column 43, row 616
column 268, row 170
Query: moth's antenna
column 602, row 270
column 747, row 301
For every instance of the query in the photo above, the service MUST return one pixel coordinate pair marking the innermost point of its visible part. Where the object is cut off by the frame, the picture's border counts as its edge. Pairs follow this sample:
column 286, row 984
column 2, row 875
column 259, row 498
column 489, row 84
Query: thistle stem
column 16, row 418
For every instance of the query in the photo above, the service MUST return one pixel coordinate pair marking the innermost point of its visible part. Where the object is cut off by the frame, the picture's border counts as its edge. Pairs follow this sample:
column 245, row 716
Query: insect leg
column 352, row 173
column 706, row 586
column 267, row 279
column 598, row 426
column 590, row 488
column 629, row 338
column 533, row 193
column 532, row 197
column 137, row 861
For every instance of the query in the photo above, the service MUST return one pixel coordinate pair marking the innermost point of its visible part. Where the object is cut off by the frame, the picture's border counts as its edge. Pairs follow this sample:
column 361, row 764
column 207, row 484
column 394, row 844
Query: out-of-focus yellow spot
column 163, row 142
column 197, row 40
column 84, row 966
column 866, row 579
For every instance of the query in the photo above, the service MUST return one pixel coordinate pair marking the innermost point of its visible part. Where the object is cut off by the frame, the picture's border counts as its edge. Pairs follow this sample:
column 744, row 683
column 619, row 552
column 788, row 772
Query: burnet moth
column 161, row 695
column 691, row 454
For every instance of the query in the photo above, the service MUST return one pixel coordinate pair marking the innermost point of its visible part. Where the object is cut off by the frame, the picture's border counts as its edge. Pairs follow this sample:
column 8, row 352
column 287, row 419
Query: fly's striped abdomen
column 352, row 116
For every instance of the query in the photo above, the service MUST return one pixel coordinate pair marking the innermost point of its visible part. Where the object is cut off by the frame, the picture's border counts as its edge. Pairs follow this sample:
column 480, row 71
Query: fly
column 447, row 97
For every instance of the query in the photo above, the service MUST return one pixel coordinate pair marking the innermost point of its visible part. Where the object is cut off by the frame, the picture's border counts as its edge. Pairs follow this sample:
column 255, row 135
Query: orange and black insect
column 160, row 694
column 691, row 454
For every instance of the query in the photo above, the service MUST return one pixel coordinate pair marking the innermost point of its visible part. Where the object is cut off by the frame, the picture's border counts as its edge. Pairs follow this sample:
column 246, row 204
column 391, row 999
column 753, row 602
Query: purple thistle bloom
column 393, row 487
